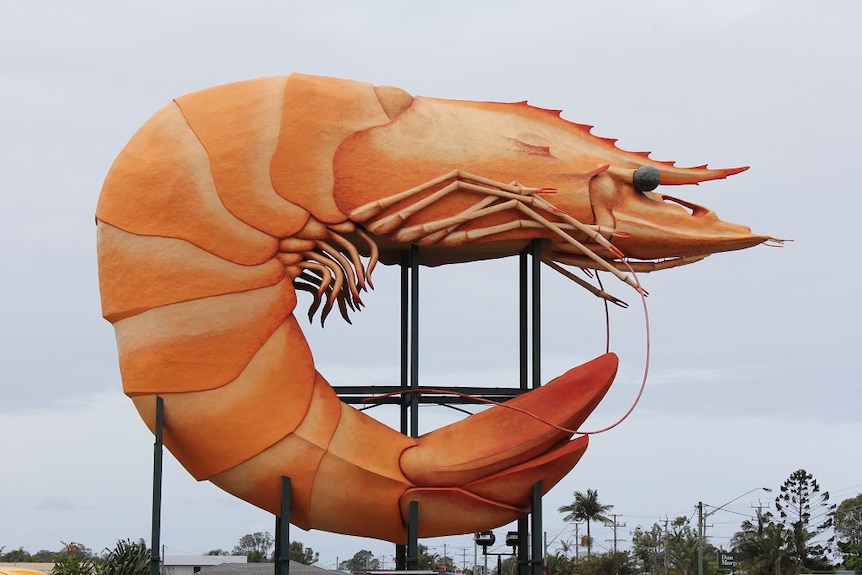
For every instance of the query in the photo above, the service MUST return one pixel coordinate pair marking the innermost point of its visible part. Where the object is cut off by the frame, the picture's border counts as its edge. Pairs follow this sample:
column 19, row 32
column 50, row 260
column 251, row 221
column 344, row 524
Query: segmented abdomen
column 190, row 222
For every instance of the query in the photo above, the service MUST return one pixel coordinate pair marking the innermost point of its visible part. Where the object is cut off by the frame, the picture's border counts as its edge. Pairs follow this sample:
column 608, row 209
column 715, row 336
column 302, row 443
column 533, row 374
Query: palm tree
column 586, row 507
column 762, row 548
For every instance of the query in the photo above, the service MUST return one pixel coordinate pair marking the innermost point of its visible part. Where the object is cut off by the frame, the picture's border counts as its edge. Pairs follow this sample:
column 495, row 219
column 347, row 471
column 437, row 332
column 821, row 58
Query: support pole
column 157, row 488
column 523, row 318
column 407, row 558
column 414, row 339
column 537, row 563
column 413, row 536
column 700, row 538
column 282, row 531
column 523, row 546
column 536, row 265
column 401, row 550
column 405, row 341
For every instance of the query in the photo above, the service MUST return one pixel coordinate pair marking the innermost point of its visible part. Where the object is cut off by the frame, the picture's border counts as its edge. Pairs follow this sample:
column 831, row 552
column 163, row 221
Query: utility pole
column 700, row 538
column 665, row 546
column 615, row 531
column 577, row 545
column 760, row 506
column 701, row 517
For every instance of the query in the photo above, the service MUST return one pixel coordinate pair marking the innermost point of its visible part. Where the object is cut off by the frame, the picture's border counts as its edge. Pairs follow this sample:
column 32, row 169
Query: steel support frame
column 530, row 557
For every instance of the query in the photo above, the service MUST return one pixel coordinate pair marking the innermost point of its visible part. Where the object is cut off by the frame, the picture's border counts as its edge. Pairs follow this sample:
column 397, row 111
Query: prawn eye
column 645, row 179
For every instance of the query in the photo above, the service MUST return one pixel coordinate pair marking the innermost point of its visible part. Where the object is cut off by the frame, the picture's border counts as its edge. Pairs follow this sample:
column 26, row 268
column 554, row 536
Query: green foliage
column 21, row 556
column 761, row 548
column 302, row 554
column 16, row 556
column 806, row 514
column 126, row 558
column 852, row 555
column 683, row 549
column 361, row 561
column 425, row 560
column 586, row 507
column 43, row 556
column 606, row 564
column 648, row 548
column 255, row 546
column 676, row 543
column 74, row 559
column 622, row 563
column 216, row 552
column 848, row 520
column 560, row 564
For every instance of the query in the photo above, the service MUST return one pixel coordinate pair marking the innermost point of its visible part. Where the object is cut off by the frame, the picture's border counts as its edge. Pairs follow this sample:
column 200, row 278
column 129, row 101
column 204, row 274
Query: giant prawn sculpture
column 230, row 199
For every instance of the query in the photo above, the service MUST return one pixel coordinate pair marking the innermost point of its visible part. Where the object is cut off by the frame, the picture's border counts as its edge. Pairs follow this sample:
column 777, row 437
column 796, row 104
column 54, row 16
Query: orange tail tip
column 519, row 431
column 492, row 501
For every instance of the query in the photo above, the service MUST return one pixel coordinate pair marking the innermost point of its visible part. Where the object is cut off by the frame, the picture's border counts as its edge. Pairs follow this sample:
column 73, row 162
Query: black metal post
column 407, row 558
column 414, row 339
column 401, row 550
column 524, row 318
column 523, row 546
column 413, row 536
column 537, row 563
column 282, row 531
column 405, row 341
column 536, row 262
column 157, row 488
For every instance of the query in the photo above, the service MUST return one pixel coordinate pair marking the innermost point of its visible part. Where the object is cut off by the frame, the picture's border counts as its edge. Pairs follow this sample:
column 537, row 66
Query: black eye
column 645, row 179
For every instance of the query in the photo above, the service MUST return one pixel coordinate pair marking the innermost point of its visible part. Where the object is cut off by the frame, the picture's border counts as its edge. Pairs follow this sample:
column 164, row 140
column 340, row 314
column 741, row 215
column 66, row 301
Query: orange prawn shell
column 190, row 219
column 501, row 142
column 196, row 221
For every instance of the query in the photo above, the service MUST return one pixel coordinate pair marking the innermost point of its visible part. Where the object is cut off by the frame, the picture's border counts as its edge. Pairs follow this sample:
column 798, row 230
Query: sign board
column 726, row 559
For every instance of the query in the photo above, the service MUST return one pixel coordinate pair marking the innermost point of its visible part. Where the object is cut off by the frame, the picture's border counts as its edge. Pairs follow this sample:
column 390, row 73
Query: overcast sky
column 754, row 367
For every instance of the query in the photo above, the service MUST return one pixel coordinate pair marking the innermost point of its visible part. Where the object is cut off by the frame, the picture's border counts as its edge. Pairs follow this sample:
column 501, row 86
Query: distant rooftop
column 265, row 569
column 202, row 560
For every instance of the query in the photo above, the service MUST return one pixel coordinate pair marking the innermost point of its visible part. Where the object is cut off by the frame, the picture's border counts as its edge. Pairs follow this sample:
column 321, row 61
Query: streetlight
column 701, row 516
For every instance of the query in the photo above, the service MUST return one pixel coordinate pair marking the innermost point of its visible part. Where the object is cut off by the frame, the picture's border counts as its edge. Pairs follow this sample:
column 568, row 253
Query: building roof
column 265, row 569
column 201, row 560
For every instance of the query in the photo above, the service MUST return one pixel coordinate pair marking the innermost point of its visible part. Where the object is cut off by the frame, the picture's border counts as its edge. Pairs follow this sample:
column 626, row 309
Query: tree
column 586, row 507
column 559, row 564
column 848, row 528
column 43, row 556
column 302, row 554
column 761, row 549
column 361, row 561
column 74, row 559
column 509, row 566
column 255, row 546
column 806, row 514
column 425, row 560
column 848, row 520
column 682, row 548
column 126, row 558
column 216, row 552
column 852, row 555
column 649, row 548
column 17, row 556
column 606, row 564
